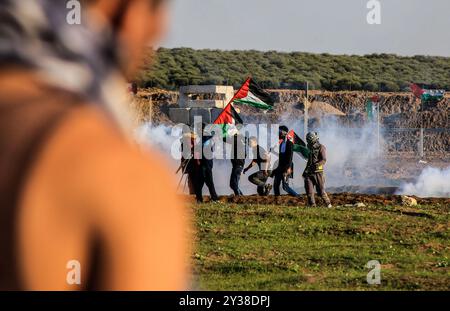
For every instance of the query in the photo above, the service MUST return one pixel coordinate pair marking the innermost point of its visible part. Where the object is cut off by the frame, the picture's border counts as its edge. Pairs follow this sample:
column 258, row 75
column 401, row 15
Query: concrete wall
column 180, row 115
column 204, row 113
column 185, row 101
column 188, row 103
column 186, row 115
column 215, row 113
column 209, row 110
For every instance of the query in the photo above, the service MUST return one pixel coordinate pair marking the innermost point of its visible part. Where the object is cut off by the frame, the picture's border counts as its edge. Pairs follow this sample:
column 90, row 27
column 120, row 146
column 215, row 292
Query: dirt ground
column 338, row 199
column 397, row 109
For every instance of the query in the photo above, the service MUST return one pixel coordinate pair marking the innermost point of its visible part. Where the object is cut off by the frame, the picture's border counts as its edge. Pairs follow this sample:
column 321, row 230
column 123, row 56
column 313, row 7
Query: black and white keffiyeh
column 78, row 58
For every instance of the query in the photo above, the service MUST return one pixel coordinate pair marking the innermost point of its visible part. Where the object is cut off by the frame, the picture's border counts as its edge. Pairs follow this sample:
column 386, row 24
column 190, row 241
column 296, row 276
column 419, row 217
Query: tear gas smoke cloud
column 352, row 154
column 166, row 139
column 352, row 157
column 160, row 138
column 355, row 148
column 432, row 182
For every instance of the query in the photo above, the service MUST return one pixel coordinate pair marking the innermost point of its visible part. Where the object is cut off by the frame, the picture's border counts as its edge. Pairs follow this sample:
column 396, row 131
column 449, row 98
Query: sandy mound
column 319, row 109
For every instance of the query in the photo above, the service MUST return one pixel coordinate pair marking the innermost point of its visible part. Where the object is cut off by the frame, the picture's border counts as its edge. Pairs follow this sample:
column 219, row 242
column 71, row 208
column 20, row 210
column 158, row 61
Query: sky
column 408, row 27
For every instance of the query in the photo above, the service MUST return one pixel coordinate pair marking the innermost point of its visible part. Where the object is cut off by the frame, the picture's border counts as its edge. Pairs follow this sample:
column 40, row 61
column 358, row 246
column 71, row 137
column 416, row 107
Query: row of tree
column 171, row 68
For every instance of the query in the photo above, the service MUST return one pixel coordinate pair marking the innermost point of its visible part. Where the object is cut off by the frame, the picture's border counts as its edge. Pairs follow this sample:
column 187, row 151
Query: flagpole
column 421, row 154
column 378, row 129
column 306, row 107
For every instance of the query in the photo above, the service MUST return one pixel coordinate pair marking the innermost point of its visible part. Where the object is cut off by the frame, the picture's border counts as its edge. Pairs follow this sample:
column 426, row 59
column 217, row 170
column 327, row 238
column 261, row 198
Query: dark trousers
column 191, row 182
column 205, row 177
column 281, row 179
column 259, row 179
column 317, row 181
column 235, row 178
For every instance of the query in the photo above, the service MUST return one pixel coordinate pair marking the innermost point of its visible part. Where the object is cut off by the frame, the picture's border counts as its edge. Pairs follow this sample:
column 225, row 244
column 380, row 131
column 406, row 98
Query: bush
column 376, row 72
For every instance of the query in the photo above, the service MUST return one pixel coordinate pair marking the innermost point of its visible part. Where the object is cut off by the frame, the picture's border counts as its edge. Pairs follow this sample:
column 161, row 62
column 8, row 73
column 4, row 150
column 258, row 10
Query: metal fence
column 415, row 140
column 391, row 141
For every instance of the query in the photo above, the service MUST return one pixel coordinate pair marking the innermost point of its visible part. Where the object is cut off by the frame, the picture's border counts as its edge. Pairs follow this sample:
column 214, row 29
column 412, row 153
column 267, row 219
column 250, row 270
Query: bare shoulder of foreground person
column 81, row 206
column 92, row 194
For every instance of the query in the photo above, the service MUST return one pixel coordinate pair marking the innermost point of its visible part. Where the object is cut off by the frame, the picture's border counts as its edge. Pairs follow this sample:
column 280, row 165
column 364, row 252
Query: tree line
column 172, row 68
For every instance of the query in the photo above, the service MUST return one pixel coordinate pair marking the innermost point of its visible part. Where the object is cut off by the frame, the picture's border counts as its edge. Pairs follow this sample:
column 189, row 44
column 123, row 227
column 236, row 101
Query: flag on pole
column 299, row 145
column 228, row 119
column 251, row 94
column 425, row 96
column 417, row 91
column 371, row 108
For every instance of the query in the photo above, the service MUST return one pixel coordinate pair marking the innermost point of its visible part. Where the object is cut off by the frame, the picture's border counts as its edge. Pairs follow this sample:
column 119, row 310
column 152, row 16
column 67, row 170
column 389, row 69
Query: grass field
column 267, row 247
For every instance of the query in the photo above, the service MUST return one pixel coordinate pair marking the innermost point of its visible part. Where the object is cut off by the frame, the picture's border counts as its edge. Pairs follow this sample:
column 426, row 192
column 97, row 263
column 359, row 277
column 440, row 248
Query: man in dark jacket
column 285, row 167
column 206, row 167
column 313, row 174
column 189, row 165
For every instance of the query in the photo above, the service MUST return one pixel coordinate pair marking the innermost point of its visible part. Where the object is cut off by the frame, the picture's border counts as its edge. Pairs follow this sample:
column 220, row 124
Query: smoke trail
column 432, row 182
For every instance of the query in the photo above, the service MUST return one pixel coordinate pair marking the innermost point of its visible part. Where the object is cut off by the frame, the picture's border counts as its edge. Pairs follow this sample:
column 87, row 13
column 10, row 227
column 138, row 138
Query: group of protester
column 199, row 168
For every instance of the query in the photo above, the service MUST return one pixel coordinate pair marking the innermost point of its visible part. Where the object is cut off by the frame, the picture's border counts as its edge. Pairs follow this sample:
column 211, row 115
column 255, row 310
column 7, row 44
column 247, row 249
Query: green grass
column 251, row 247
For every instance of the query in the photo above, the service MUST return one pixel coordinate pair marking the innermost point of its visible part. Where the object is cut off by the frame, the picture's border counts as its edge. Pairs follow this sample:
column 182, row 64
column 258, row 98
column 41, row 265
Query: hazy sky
column 408, row 27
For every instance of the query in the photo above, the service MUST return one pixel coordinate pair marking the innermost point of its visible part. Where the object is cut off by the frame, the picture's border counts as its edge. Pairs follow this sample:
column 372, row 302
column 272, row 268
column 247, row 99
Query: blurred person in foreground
column 72, row 185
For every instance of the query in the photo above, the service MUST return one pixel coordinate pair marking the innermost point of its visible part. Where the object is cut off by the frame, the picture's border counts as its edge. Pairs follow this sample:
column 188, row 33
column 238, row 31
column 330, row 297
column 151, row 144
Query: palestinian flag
column 251, row 94
column 371, row 107
column 299, row 145
column 417, row 91
column 433, row 96
column 228, row 119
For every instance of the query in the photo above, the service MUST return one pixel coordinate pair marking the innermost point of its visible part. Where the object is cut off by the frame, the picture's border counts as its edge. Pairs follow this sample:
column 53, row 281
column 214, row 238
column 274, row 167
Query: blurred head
column 137, row 25
column 282, row 131
column 253, row 142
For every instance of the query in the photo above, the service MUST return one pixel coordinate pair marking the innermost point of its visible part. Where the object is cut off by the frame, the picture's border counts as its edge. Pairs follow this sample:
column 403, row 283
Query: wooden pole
column 306, row 107
column 421, row 152
column 151, row 112
column 378, row 129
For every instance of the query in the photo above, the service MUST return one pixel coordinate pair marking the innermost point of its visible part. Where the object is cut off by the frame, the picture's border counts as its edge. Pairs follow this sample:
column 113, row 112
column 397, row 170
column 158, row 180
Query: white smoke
column 165, row 139
column 432, row 182
column 161, row 139
column 355, row 148
column 352, row 154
